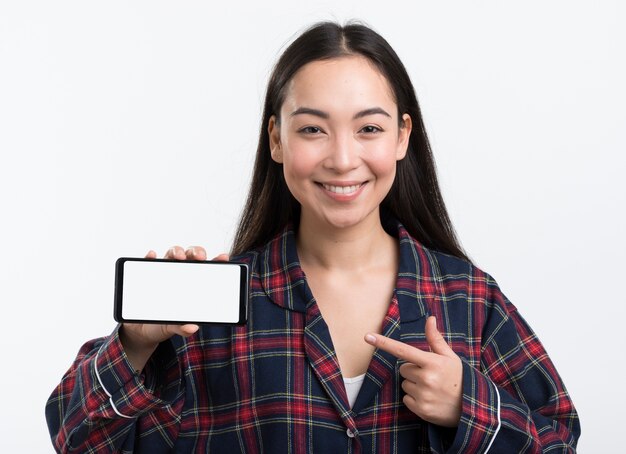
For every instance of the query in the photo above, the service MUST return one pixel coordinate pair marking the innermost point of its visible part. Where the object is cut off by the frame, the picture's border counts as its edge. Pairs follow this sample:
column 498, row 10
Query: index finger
column 398, row 349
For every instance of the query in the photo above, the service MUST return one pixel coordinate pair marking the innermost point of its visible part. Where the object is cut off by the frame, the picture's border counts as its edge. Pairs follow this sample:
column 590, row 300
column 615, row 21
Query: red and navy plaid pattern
column 274, row 385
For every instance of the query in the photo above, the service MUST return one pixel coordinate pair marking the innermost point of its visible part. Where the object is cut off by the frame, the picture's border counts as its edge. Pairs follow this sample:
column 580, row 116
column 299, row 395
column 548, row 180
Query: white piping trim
column 499, row 422
column 95, row 362
column 95, row 368
column 117, row 411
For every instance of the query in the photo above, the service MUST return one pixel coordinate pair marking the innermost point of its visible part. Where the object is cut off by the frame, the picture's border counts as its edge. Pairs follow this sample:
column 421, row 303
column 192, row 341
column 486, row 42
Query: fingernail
column 370, row 338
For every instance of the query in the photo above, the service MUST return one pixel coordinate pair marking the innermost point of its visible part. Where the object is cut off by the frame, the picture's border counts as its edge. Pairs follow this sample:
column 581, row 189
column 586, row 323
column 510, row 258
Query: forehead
column 345, row 83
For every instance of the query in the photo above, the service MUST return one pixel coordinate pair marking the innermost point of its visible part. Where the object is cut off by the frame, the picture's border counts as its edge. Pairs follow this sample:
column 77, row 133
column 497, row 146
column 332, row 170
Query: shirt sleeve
column 515, row 402
column 101, row 401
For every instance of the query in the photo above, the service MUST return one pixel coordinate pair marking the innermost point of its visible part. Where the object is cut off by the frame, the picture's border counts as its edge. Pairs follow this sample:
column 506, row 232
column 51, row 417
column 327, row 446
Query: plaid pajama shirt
column 274, row 385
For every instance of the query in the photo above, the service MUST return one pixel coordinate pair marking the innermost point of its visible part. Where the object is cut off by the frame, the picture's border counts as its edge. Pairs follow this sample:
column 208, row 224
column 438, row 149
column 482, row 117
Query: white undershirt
column 353, row 386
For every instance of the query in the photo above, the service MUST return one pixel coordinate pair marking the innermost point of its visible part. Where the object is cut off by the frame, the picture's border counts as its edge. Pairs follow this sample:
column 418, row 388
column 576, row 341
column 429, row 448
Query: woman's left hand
column 432, row 380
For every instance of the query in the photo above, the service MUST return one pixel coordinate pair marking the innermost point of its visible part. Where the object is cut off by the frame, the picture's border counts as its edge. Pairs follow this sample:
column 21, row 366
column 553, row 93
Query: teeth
column 342, row 189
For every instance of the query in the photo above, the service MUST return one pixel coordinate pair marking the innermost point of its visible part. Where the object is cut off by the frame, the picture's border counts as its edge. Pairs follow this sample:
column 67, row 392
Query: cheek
column 383, row 163
column 299, row 165
column 300, row 160
column 298, row 168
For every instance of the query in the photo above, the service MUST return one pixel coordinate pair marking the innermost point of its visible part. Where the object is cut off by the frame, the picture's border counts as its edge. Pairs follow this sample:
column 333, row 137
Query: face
column 339, row 139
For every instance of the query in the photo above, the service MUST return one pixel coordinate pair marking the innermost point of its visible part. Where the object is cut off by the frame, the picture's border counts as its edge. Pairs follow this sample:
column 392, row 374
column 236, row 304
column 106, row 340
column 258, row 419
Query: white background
column 126, row 126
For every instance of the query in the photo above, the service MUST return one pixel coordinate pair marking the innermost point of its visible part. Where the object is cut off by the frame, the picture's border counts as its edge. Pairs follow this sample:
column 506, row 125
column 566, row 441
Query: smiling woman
column 338, row 144
column 368, row 331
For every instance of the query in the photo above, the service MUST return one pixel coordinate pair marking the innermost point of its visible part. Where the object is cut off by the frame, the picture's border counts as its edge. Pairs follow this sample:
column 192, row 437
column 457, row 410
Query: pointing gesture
column 432, row 380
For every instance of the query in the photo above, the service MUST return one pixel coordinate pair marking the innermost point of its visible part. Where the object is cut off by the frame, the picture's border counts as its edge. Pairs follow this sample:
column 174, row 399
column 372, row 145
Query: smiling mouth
column 342, row 189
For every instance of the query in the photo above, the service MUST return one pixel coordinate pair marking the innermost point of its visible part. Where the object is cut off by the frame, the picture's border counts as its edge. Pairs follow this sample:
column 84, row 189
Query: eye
column 310, row 130
column 371, row 129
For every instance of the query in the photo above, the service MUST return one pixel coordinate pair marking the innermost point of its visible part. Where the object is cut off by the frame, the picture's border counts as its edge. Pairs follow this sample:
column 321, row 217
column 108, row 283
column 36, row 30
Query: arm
column 106, row 404
column 101, row 399
column 516, row 402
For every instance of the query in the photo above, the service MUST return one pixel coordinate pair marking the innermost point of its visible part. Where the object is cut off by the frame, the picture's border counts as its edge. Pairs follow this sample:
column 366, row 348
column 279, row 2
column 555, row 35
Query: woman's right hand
column 140, row 340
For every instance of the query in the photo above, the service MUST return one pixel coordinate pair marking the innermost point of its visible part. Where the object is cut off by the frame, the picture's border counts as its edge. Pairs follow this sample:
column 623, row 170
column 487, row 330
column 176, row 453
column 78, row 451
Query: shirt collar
column 285, row 284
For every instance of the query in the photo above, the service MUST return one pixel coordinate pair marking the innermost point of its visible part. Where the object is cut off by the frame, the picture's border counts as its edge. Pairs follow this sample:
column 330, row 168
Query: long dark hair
column 414, row 199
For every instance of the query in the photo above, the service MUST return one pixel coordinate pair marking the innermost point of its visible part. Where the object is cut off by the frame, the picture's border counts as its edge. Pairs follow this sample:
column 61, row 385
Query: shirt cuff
column 480, row 417
column 128, row 395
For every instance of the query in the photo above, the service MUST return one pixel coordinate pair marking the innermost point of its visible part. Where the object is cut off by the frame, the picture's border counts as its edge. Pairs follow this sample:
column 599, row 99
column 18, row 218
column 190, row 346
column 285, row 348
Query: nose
column 343, row 153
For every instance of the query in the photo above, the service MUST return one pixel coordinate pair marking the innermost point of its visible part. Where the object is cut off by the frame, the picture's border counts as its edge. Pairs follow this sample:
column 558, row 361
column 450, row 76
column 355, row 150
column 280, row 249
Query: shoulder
column 461, row 282
column 444, row 268
column 250, row 258
column 450, row 269
column 278, row 253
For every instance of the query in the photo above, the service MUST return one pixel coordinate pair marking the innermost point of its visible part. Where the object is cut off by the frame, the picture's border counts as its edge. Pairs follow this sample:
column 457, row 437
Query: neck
column 346, row 249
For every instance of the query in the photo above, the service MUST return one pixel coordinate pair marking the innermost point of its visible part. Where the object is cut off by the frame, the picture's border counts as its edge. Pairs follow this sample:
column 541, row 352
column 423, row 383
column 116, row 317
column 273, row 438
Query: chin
column 348, row 220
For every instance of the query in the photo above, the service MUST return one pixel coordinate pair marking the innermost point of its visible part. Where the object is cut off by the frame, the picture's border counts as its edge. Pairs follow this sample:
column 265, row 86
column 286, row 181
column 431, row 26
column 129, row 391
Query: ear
column 403, row 136
column 276, row 149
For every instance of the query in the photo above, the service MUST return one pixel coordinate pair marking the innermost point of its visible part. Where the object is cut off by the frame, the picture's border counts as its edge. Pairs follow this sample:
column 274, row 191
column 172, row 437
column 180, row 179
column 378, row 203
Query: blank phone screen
column 160, row 291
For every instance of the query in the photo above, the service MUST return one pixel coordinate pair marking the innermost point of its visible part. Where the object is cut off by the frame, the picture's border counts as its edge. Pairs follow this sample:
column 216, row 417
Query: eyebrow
column 326, row 115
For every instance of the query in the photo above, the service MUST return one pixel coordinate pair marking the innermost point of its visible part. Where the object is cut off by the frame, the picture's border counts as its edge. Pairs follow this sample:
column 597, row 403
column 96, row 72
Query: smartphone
column 180, row 291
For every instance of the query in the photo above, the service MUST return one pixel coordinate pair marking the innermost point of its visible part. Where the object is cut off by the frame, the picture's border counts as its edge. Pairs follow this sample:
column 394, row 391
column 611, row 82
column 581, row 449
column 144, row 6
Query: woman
column 369, row 329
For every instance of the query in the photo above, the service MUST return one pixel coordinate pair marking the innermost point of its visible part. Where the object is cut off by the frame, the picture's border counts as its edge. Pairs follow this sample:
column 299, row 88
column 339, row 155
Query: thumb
column 182, row 330
column 435, row 340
